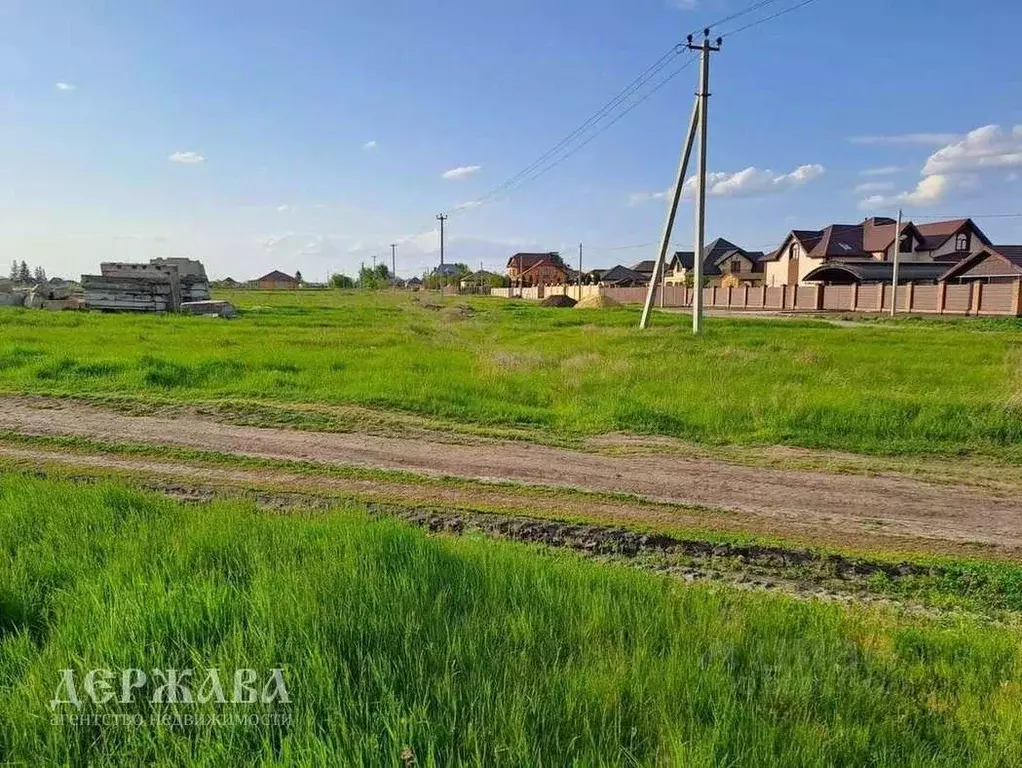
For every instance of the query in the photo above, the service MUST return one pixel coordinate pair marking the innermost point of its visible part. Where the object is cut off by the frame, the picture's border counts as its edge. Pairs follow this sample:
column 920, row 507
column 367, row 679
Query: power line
column 622, row 96
column 605, row 127
column 771, row 17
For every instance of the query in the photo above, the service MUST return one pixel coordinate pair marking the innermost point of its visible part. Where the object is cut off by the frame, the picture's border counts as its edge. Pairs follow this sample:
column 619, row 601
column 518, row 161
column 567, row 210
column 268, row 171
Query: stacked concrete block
column 159, row 286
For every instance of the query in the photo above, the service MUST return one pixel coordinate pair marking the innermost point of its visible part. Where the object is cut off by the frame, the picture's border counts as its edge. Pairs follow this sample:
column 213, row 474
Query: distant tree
column 339, row 280
column 374, row 277
column 14, row 270
column 497, row 281
column 298, row 276
column 24, row 274
column 39, row 274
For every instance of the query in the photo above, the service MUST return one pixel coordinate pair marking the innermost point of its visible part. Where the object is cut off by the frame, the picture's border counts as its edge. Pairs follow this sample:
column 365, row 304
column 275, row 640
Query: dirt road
column 893, row 505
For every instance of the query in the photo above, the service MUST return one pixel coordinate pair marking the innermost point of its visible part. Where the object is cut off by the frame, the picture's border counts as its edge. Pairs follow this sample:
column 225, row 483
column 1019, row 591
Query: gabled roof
column 1010, row 255
column 276, row 275
column 646, row 266
column 937, row 233
column 714, row 254
column 445, row 270
column 526, row 261
column 621, row 274
column 878, row 233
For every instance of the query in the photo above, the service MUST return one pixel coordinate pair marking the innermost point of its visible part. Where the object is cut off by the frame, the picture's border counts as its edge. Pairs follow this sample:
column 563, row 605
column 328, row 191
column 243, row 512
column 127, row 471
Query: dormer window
column 962, row 242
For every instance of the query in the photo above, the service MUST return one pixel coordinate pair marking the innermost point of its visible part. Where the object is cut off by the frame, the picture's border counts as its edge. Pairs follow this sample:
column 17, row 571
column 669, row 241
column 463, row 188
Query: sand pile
column 559, row 301
column 597, row 302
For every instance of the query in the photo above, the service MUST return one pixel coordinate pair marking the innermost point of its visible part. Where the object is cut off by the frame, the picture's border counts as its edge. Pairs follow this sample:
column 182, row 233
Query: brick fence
column 941, row 299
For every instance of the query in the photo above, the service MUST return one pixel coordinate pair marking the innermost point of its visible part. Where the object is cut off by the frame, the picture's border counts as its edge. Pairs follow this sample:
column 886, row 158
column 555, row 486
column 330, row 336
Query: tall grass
column 927, row 387
column 465, row 651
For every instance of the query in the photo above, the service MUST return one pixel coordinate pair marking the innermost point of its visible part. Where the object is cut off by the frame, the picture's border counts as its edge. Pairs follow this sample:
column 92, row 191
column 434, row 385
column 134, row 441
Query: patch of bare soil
column 837, row 507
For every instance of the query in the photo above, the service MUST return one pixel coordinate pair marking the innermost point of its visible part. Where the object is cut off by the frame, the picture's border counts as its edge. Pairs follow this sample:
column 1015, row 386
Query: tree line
column 380, row 277
column 20, row 273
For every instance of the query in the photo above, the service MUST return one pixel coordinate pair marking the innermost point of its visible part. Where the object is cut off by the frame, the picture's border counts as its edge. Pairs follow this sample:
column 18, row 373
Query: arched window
column 794, row 252
column 962, row 242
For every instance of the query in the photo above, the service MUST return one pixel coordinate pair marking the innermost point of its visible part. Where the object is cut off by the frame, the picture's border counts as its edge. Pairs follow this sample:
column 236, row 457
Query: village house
column 802, row 254
column 997, row 264
column 620, row 276
column 724, row 264
column 278, row 281
column 530, row 269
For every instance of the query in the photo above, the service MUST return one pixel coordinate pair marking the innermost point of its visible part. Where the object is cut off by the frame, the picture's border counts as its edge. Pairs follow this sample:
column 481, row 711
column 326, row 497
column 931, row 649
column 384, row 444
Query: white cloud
column 981, row 149
column 930, row 189
column 874, row 186
column 285, row 208
column 370, row 145
column 959, row 165
column 885, row 170
column 467, row 206
column 62, row 86
column 935, row 139
column 462, row 172
column 187, row 158
column 750, row 182
column 685, row 5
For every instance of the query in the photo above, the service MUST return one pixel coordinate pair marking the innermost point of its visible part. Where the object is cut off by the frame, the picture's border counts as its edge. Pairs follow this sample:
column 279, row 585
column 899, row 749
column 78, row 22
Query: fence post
column 975, row 298
column 1016, row 298
column 763, row 303
column 941, row 297
column 819, row 297
column 909, row 296
column 745, row 298
column 729, row 290
column 880, row 298
column 855, row 297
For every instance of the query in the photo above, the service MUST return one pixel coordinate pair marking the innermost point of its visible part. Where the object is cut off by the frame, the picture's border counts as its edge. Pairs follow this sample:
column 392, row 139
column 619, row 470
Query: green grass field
column 909, row 387
column 465, row 651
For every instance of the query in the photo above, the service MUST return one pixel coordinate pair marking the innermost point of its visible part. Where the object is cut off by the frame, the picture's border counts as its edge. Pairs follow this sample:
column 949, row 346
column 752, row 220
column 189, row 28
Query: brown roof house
column 997, row 264
column 724, row 263
column 278, row 281
column 528, row 269
column 804, row 251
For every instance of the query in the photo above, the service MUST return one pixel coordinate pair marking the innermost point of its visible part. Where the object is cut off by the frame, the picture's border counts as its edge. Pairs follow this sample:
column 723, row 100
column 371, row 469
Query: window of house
column 735, row 266
column 906, row 244
column 962, row 242
column 793, row 252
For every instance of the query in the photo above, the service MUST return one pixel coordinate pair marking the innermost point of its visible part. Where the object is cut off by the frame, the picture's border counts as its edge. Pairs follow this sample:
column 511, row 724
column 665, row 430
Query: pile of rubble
column 54, row 295
column 162, row 285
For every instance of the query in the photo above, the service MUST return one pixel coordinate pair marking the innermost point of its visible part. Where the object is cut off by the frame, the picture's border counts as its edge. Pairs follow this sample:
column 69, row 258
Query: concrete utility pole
column 704, row 102
column 897, row 259
column 393, row 260
column 441, row 218
column 697, row 121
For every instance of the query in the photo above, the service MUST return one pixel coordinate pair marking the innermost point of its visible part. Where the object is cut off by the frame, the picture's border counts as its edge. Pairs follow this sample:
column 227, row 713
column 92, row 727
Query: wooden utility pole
column 897, row 259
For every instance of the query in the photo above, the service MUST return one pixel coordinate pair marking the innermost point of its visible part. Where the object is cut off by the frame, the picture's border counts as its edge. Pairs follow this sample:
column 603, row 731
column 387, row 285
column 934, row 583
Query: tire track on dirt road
column 892, row 504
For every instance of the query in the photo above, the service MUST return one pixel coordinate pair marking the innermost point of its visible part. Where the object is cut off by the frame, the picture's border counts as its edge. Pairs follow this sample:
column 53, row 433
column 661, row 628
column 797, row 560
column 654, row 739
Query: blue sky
column 311, row 134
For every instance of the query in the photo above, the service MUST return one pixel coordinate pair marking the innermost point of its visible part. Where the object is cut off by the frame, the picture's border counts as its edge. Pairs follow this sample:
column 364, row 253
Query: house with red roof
column 529, row 269
column 873, row 240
